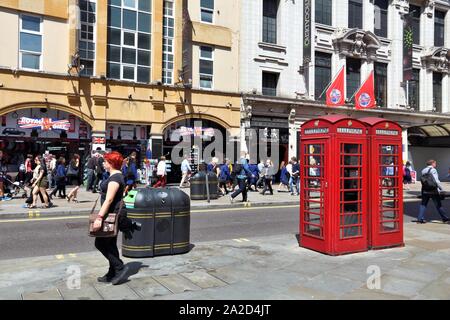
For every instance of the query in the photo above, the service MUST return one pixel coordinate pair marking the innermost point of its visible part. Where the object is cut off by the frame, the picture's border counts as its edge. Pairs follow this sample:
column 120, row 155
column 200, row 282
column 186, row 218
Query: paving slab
column 336, row 285
column 148, row 288
column 203, row 279
column 403, row 287
column 86, row 292
column 176, row 283
column 52, row 294
column 119, row 292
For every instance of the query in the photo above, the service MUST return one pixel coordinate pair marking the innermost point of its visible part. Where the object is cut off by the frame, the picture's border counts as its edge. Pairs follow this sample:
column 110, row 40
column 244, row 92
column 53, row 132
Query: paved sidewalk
column 14, row 208
column 272, row 267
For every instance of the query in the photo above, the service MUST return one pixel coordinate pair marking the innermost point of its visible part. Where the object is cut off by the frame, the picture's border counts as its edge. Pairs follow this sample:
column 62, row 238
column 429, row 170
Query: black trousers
column 60, row 186
column 242, row 189
column 108, row 247
column 267, row 185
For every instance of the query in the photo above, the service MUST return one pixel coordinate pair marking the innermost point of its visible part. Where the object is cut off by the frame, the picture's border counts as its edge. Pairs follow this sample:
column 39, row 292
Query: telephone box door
column 387, row 212
column 314, row 198
column 350, row 224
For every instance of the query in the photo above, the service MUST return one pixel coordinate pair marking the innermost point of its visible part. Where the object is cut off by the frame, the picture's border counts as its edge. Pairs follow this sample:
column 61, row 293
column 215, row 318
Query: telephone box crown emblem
column 316, row 123
column 386, row 125
column 350, row 123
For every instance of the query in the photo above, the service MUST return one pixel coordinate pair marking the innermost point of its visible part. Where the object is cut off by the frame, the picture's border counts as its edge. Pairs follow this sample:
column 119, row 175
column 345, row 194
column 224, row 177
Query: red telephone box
column 334, row 177
column 385, row 183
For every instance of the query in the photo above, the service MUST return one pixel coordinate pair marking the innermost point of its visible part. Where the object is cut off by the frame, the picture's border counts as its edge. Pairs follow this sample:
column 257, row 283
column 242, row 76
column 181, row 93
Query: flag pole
column 329, row 84
column 359, row 88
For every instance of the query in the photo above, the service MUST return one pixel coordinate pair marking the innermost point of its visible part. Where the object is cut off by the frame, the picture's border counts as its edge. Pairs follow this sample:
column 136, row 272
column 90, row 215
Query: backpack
column 428, row 182
column 237, row 168
column 407, row 172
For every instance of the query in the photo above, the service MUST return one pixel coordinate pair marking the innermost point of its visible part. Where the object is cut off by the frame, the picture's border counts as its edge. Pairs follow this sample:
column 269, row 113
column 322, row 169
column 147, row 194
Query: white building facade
column 359, row 35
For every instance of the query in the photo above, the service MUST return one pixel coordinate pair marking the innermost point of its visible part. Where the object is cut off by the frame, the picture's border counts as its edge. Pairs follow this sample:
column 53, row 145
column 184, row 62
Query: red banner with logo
column 335, row 93
column 365, row 97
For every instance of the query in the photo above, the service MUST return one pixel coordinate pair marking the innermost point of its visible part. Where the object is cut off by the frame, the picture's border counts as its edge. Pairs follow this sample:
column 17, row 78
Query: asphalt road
column 31, row 238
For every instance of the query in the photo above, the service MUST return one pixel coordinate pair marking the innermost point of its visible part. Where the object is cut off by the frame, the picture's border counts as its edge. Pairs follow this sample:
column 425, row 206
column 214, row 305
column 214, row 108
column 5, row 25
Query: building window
column 381, row 17
column 129, row 40
column 206, row 67
column 270, row 10
column 355, row 14
column 437, row 92
column 30, row 42
column 322, row 73
column 380, row 76
column 269, row 83
column 168, row 45
column 323, row 11
column 353, row 70
column 86, row 42
column 414, row 90
column 207, row 10
column 439, row 28
column 415, row 22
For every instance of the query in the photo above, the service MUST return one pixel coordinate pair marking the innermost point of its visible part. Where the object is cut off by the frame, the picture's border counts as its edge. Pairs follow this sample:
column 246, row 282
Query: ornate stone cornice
column 356, row 43
column 437, row 60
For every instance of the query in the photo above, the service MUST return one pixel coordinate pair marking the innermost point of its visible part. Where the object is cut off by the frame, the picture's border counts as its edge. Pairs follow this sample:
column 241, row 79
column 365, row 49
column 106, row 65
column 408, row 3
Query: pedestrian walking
column 40, row 182
column 98, row 171
column 28, row 169
column 129, row 171
column 161, row 173
column 431, row 189
column 73, row 177
column 260, row 182
column 268, row 172
column 284, row 177
column 60, row 178
column 52, row 171
column 224, row 177
column 244, row 173
column 90, row 171
column 407, row 179
column 3, row 172
column 185, row 171
column 112, row 191
column 295, row 176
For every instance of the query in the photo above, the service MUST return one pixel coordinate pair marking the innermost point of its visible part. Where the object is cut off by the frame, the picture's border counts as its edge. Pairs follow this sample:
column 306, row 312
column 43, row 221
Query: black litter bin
column 165, row 217
column 198, row 186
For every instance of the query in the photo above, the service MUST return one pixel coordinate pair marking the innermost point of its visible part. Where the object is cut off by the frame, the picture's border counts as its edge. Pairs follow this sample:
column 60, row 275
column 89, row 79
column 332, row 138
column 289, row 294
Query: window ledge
column 272, row 47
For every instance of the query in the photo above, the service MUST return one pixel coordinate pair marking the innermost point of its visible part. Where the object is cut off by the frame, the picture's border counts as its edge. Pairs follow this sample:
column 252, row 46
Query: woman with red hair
column 111, row 197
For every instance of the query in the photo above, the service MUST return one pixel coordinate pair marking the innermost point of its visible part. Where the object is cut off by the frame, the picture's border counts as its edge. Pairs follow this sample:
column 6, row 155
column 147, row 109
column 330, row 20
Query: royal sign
column 45, row 124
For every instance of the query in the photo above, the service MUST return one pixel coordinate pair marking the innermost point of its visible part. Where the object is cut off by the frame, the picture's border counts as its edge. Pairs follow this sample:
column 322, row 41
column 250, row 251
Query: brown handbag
column 110, row 225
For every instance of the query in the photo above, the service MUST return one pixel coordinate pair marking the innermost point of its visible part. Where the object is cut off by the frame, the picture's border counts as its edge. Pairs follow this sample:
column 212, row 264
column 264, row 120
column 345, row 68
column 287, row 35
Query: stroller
column 12, row 189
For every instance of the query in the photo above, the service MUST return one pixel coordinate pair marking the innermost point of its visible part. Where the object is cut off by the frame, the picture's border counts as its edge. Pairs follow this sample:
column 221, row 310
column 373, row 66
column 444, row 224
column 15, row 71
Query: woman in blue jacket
column 224, row 177
column 129, row 171
column 60, row 179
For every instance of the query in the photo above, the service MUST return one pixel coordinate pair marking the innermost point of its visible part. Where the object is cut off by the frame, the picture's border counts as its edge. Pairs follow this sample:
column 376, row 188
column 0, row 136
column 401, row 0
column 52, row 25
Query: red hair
column 115, row 159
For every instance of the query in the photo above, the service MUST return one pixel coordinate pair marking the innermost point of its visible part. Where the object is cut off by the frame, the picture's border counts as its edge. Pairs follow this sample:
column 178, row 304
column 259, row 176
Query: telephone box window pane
column 351, row 172
column 313, row 230
column 312, row 218
column 352, row 148
column 389, row 226
column 351, row 232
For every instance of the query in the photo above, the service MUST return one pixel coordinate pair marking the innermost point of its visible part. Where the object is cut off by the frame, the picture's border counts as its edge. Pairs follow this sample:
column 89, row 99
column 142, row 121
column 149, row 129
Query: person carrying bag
column 111, row 218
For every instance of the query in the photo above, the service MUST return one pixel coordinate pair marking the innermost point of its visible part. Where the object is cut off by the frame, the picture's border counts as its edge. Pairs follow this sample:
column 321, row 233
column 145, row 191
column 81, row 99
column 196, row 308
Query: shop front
column 198, row 138
column 36, row 131
column 272, row 132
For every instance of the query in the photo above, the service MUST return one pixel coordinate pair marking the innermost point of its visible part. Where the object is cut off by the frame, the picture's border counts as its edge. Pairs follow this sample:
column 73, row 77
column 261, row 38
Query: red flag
column 335, row 92
column 365, row 97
